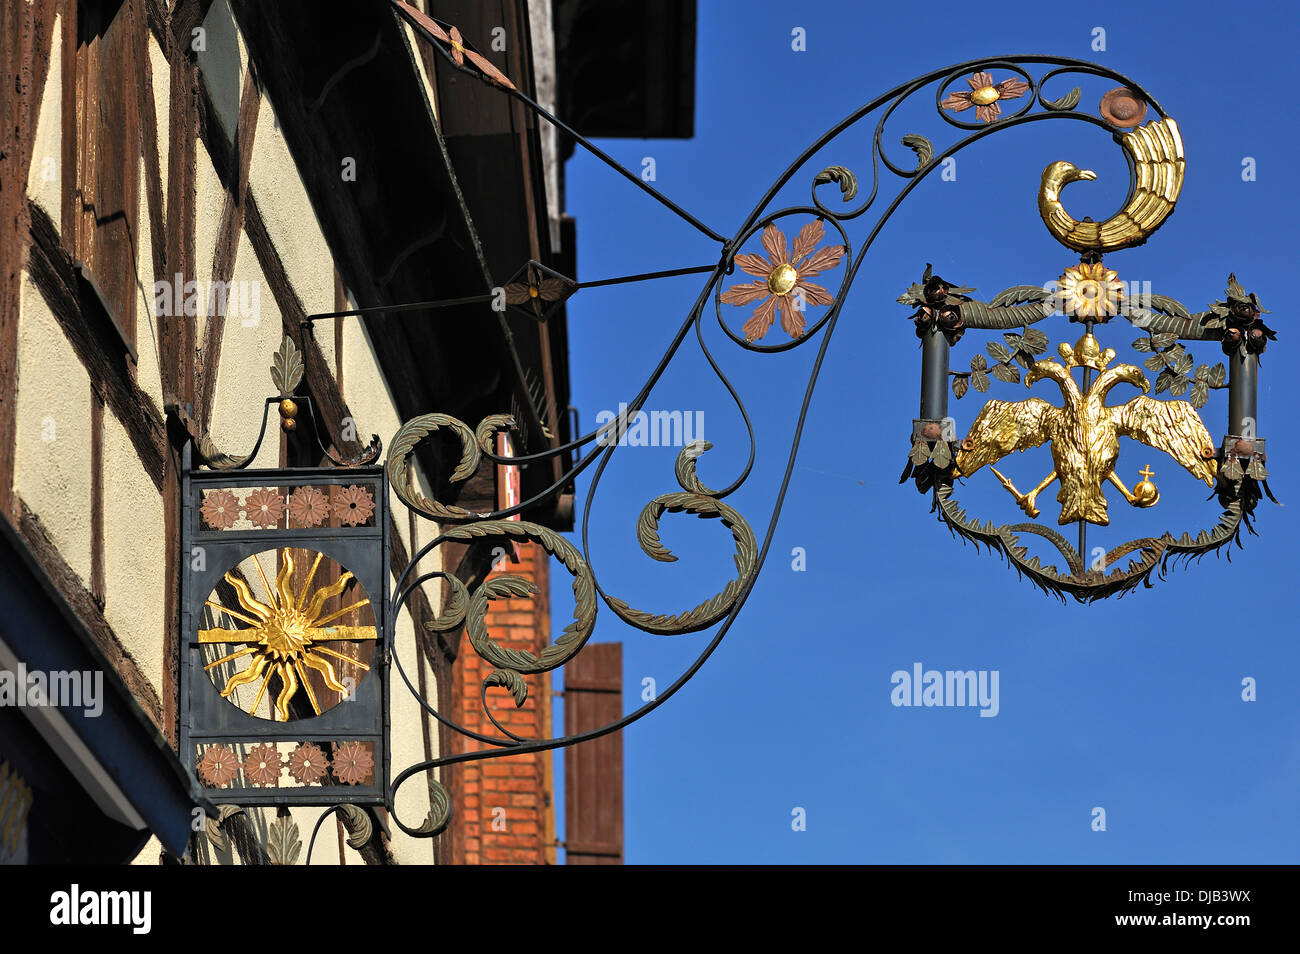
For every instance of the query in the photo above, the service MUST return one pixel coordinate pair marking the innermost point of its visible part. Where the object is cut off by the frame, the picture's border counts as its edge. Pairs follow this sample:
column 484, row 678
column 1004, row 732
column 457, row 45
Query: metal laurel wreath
column 467, row 609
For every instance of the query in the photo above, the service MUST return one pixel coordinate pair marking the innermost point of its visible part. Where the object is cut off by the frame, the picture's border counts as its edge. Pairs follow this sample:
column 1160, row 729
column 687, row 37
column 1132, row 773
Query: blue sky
column 1133, row 705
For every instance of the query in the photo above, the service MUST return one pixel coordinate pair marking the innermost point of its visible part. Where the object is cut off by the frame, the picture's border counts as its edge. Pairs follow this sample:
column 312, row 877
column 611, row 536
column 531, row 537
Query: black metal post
column 934, row 376
column 1243, row 395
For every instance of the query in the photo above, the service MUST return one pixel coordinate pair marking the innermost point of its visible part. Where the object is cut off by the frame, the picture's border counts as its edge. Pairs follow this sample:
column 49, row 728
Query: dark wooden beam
column 26, row 34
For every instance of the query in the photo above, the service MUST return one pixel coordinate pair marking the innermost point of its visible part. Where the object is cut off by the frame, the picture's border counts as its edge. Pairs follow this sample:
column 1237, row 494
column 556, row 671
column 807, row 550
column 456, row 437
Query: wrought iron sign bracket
column 798, row 264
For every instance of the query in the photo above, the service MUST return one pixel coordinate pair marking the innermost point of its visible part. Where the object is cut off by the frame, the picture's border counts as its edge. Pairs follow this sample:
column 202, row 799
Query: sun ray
column 257, row 700
column 337, row 613
column 235, row 655
column 329, row 652
column 290, row 681
column 325, row 592
column 244, row 678
column 235, row 613
column 346, row 633
column 248, row 600
column 326, row 671
column 270, row 593
column 221, row 634
column 306, row 584
column 306, row 684
column 284, row 580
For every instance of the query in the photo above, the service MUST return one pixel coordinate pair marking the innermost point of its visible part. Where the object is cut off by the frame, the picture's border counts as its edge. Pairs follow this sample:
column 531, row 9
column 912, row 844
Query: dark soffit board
column 626, row 67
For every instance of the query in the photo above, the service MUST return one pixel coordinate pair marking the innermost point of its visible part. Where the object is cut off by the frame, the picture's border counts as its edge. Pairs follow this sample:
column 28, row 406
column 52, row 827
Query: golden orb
column 782, row 279
column 984, row 96
column 1145, row 493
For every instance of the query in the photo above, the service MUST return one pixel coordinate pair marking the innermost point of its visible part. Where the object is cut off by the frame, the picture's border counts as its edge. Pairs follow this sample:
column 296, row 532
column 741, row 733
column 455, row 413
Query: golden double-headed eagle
column 1084, row 434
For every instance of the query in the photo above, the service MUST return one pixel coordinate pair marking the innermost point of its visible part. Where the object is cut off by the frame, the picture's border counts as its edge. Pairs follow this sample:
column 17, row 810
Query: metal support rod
column 934, row 376
column 1243, row 395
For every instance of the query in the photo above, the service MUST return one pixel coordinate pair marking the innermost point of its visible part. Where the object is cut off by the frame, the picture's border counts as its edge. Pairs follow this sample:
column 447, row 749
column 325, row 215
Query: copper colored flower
column 307, row 763
column 263, row 764
column 220, row 509
column 984, row 96
column 783, row 279
column 353, row 505
column 353, row 763
column 218, row 766
column 308, row 507
column 264, row 507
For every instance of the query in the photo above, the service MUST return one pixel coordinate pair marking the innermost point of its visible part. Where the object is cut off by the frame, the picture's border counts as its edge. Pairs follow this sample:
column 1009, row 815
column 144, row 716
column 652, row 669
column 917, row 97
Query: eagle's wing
column 1171, row 426
column 1003, row 427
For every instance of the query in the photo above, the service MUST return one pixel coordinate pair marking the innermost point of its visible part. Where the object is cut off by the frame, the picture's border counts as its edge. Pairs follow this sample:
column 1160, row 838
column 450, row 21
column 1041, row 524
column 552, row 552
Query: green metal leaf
column 1169, row 306
column 1155, row 363
column 1183, row 362
column 923, row 148
column 998, row 351
column 1217, row 375
column 848, row 182
column 1166, row 340
column 1034, row 340
column 511, row 680
column 1019, row 295
column 978, row 363
column 1256, row 470
column 287, row 367
column 282, row 841
column 979, row 381
column 941, row 455
column 960, row 385
column 1178, row 386
column 1164, row 380
column 920, row 453
column 1068, row 101
column 1143, row 344
column 1006, row 372
column 1200, row 394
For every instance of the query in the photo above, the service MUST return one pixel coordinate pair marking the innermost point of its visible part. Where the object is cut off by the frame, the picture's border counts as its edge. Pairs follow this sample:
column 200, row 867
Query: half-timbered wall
column 146, row 157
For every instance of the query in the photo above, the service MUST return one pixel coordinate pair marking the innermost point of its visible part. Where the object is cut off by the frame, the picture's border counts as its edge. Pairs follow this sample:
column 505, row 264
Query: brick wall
column 503, row 807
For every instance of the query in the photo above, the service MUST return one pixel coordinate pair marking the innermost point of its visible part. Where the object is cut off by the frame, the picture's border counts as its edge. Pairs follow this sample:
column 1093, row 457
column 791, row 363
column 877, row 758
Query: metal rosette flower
column 783, row 287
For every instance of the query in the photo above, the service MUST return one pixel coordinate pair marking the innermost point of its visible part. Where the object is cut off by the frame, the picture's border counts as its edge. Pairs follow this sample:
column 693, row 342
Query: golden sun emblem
column 285, row 635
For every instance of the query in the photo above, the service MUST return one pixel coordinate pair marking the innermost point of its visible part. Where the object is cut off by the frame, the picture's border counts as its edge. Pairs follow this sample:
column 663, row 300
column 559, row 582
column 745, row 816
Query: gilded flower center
column 532, row 291
column 1089, row 290
column 984, row 95
column 284, row 635
column 782, row 279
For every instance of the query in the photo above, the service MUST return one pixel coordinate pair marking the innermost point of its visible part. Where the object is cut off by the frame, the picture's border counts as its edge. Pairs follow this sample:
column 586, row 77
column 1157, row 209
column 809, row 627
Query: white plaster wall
column 45, row 177
column 52, row 456
column 135, row 542
column 243, row 376
column 148, row 373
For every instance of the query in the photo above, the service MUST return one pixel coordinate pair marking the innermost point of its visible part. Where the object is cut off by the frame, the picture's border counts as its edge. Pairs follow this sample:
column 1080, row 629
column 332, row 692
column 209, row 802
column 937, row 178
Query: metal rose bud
column 936, row 290
column 1243, row 312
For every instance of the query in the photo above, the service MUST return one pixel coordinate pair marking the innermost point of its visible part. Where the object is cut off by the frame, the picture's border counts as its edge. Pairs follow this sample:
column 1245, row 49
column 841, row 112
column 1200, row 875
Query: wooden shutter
column 593, row 771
